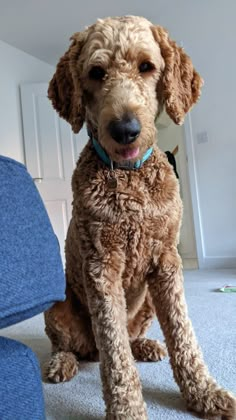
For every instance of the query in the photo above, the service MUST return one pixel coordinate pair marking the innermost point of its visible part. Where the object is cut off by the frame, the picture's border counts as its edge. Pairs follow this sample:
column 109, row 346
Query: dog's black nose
column 125, row 131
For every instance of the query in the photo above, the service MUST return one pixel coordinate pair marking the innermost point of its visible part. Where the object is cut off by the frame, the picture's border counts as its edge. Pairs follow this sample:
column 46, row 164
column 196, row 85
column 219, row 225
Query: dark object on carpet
column 172, row 161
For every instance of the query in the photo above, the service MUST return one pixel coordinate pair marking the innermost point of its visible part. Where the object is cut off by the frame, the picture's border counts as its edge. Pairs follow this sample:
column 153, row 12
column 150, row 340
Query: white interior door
column 51, row 152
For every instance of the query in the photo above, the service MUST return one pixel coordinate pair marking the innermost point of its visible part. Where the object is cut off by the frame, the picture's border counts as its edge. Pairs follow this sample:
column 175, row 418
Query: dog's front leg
column 197, row 386
column 121, row 385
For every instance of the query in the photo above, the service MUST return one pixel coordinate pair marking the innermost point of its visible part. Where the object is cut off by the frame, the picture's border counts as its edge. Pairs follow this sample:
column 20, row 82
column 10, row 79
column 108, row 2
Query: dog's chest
column 140, row 194
column 143, row 247
column 142, row 251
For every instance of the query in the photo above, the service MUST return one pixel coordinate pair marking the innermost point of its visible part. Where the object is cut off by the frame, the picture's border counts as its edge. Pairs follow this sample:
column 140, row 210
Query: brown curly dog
column 122, row 264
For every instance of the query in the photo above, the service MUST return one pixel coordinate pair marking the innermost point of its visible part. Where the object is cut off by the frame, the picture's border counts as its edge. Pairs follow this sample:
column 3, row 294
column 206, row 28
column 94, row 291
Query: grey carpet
column 213, row 316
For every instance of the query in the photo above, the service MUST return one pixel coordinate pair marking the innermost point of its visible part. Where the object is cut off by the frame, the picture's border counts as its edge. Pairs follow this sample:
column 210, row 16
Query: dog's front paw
column 216, row 404
column 62, row 367
column 127, row 413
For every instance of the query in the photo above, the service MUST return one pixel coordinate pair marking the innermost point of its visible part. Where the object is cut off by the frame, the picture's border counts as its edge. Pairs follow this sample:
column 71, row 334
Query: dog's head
column 117, row 76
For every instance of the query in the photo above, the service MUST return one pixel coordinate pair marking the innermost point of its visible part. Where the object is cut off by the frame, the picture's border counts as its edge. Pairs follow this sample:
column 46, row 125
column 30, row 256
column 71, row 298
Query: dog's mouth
column 127, row 153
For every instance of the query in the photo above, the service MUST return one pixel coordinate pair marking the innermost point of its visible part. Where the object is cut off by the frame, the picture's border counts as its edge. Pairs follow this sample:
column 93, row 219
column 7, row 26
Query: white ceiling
column 42, row 28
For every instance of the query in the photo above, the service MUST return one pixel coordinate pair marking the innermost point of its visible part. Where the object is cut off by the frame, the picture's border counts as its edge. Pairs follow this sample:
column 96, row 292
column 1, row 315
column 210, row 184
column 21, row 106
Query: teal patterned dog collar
column 123, row 165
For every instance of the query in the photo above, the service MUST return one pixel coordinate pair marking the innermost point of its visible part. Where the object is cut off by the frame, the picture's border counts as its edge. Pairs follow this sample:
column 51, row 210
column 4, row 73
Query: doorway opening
column 171, row 138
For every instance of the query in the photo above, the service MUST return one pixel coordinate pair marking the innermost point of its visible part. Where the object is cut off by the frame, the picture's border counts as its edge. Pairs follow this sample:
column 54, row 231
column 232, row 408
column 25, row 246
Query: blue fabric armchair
column 31, row 280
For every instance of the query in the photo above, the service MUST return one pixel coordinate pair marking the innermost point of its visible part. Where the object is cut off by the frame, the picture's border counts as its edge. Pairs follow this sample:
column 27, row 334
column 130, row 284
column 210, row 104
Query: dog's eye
column 96, row 73
column 146, row 66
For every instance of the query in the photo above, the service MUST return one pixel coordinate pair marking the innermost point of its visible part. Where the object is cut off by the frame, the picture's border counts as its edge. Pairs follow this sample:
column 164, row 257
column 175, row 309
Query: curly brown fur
column 147, row 350
column 180, row 85
column 122, row 264
column 62, row 367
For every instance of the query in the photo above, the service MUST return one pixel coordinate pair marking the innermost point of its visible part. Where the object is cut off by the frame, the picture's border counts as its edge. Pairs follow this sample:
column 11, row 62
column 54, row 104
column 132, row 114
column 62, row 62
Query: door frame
column 194, row 193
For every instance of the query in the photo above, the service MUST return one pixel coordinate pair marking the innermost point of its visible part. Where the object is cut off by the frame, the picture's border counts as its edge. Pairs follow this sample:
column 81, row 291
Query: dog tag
column 112, row 183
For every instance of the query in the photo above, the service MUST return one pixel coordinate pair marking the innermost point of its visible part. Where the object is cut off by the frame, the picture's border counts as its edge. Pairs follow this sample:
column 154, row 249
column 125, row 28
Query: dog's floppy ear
column 180, row 85
column 64, row 89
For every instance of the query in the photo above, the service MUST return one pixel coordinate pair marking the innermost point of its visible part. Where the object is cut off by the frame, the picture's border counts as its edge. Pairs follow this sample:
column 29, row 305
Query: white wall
column 16, row 67
column 208, row 32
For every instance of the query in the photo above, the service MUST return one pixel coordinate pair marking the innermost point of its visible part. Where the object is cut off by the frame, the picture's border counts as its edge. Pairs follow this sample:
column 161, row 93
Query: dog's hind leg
column 69, row 328
column 145, row 349
column 139, row 324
